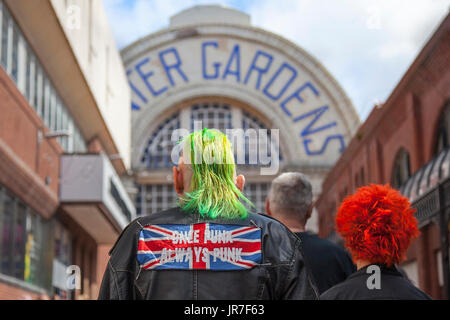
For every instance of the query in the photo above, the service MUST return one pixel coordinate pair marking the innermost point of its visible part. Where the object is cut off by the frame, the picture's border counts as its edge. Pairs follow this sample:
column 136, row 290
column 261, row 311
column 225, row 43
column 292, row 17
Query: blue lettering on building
column 145, row 76
column 273, row 88
column 258, row 68
column 286, row 85
column 297, row 95
column 235, row 59
column 317, row 114
column 134, row 105
column 204, row 61
column 338, row 137
column 174, row 66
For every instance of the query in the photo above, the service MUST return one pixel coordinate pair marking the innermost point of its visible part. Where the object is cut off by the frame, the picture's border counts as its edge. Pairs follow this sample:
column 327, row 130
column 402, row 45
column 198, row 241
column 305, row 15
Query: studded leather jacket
column 181, row 256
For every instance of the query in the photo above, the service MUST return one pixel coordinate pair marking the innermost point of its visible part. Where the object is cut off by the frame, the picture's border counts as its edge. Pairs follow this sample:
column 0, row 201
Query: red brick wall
column 25, row 164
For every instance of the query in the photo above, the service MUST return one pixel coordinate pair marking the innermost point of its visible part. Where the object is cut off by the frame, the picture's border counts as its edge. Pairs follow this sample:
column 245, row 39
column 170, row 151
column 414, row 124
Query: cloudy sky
column 367, row 45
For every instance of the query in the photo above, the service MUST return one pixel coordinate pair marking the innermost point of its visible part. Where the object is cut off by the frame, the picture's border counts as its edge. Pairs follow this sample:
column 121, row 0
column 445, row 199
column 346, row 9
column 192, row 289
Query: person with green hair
column 210, row 246
column 206, row 180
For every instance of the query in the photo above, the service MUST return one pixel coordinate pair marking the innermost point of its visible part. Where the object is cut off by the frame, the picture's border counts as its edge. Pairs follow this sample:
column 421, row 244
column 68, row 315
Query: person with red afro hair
column 377, row 225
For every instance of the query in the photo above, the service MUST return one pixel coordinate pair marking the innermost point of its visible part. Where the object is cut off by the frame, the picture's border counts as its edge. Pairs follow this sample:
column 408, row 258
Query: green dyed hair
column 214, row 193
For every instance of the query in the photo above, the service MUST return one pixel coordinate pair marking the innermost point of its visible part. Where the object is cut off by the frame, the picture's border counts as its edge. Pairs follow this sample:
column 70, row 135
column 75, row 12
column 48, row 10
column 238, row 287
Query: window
column 29, row 78
column 443, row 135
column 34, row 250
column 7, row 217
column 15, row 53
column 401, row 171
column 212, row 115
column 62, row 246
column 24, row 239
column 257, row 194
column 38, row 89
column 343, row 193
column 153, row 198
column 359, row 178
column 157, row 153
column 5, row 36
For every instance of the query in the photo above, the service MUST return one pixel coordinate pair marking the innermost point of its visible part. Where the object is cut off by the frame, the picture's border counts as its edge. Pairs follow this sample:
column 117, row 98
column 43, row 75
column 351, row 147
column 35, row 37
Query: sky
column 367, row 45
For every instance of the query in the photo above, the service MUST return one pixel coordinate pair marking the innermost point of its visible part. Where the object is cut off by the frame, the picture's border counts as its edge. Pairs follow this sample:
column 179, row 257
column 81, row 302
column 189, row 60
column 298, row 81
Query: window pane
column 44, row 98
column 19, row 241
column 37, row 88
column 5, row 27
column 15, row 53
column 32, row 249
column 157, row 153
column 28, row 79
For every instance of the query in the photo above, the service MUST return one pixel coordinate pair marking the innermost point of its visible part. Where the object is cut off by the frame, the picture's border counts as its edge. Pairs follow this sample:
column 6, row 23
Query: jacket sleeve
column 299, row 282
column 118, row 279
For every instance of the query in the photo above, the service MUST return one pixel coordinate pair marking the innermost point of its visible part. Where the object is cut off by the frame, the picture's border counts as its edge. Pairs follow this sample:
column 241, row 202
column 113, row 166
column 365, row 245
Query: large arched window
column 401, row 170
column 443, row 133
column 157, row 151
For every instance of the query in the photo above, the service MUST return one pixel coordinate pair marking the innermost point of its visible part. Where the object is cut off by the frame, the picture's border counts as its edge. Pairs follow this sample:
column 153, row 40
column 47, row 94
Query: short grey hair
column 291, row 194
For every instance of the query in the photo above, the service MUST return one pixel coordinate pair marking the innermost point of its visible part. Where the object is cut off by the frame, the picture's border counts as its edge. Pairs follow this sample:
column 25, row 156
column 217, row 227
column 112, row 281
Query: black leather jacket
column 280, row 274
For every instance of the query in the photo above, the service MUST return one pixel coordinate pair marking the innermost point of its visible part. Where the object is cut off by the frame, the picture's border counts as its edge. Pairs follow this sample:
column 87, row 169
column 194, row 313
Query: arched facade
column 232, row 76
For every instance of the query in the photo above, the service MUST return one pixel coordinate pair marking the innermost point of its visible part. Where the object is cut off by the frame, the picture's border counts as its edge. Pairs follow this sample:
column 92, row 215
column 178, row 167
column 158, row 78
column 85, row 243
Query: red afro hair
column 377, row 224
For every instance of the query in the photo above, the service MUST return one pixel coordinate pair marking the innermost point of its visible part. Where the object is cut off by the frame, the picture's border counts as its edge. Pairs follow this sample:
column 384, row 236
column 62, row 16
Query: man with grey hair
column 290, row 201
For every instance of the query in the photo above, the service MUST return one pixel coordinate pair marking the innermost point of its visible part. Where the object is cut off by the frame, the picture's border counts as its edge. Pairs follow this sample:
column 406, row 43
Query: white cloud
column 367, row 45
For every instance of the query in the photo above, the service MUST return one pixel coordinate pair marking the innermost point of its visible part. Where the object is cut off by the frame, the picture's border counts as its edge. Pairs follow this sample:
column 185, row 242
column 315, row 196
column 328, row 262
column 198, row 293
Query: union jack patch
column 204, row 246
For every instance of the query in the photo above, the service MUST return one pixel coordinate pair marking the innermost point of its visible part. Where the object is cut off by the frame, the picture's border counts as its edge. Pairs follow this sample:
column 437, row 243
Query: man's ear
column 240, row 182
column 178, row 180
column 268, row 212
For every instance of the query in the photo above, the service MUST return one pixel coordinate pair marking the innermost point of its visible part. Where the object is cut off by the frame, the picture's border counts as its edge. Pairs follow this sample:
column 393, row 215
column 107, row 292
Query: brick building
column 405, row 142
column 62, row 150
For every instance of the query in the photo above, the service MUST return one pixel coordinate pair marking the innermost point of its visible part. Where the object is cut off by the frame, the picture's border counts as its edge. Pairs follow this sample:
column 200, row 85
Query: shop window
column 23, row 239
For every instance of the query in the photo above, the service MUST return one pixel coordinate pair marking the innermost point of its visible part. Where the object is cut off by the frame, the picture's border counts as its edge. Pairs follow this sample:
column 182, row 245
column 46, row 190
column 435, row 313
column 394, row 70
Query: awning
column 426, row 187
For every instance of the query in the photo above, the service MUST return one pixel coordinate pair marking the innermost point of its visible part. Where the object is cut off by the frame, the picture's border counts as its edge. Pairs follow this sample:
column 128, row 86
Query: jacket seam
column 114, row 277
